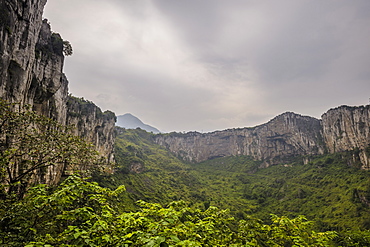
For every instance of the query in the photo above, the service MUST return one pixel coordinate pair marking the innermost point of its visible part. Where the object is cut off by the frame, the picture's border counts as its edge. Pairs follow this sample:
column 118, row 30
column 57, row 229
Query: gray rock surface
column 341, row 129
column 288, row 134
column 31, row 73
column 347, row 128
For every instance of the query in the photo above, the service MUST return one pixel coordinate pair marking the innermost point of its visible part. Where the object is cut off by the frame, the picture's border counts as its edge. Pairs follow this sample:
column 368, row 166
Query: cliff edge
column 31, row 73
column 341, row 129
column 288, row 134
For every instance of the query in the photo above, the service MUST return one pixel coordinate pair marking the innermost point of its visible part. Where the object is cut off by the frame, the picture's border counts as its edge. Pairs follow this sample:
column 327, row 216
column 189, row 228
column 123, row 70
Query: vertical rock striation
column 286, row 135
column 347, row 128
column 342, row 129
column 93, row 125
column 31, row 73
column 31, row 62
column 21, row 23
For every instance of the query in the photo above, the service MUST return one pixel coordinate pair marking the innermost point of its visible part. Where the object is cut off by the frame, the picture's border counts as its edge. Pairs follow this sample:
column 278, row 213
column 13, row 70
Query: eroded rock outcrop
column 341, row 129
column 347, row 128
column 288, row 134
column 21, row 22
column 31, row 73
column 93, row 125
column 31, row 59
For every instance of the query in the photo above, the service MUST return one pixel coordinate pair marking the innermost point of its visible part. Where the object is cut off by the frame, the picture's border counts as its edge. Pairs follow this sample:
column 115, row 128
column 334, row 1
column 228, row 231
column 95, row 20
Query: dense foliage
column 149, row 172
column 81, row 213
column 327, row 189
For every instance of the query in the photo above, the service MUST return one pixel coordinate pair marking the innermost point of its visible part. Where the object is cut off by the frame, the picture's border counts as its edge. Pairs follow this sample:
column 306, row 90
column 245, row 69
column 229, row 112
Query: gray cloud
column 215, row 64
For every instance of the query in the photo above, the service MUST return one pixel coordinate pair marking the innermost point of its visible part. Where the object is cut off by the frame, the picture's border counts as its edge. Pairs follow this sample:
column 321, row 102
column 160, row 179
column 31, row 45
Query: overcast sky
column 208, row 65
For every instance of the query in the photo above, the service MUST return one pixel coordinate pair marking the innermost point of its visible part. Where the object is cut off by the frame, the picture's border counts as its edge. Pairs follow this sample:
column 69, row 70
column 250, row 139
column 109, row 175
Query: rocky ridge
column 348, row 128
column 92, row 124
column 31, row 73
column 287, row 135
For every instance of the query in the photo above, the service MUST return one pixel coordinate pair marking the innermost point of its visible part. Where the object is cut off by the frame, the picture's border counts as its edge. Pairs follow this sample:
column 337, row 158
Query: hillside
column 327, row 189
column 148, row 171
column 236, row 187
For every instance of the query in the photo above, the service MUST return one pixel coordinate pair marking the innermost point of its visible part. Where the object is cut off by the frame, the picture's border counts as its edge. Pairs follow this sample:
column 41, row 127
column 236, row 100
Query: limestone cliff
column 31, row 72
column 31, row 62
column 347, row 128
column 286, row 135
column 92, row 124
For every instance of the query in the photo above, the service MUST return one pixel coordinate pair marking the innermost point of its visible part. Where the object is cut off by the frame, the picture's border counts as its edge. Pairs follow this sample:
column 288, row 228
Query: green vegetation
column 56, row 46
column 81, row 213
column 67, row 48
column 79, row 107
column 327, row 190
column 30, row 144
column 149, row 172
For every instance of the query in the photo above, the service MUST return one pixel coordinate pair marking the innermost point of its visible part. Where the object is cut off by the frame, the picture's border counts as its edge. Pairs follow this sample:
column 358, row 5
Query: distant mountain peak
column 129, row 121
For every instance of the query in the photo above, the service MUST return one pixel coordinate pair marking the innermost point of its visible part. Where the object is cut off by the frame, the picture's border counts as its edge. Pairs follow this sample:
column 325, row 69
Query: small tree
column 75, row 213
column 67, row 48
column 33, row 146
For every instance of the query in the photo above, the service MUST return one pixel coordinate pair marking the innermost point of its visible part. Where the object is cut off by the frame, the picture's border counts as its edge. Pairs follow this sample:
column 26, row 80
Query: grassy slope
column 326, row 189
column 149, row 172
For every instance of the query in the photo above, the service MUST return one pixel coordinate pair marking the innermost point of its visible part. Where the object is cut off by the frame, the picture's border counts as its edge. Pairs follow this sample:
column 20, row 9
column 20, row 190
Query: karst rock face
column 31, row 73
column 347, row 128
column 25, row 78
column 287, row 135
column 92, row 124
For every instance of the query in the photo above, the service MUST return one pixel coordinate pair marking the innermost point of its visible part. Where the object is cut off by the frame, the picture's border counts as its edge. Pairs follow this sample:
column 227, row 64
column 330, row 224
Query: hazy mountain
column 129, row 121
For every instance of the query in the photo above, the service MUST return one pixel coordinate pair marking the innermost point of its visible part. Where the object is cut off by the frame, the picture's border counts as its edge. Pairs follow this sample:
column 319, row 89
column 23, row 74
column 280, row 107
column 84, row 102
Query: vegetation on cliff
column 44, row 204
column 79, row 212
column 35, row 149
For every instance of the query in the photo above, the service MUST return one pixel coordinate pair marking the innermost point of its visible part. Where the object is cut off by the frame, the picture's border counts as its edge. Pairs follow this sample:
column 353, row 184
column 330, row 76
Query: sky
column 206, row 65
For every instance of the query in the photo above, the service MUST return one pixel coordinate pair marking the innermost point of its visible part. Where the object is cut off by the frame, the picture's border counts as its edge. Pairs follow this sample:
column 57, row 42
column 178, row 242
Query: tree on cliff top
column 67, row 48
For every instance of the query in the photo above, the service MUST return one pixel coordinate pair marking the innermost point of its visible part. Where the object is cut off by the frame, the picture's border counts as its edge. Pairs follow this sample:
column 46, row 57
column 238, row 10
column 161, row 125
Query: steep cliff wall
column 20, row 27
column 31, row 59
column 286, row 135
column 342, row 129
column 92, row 124
column 31, row 72
column 347, row 128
